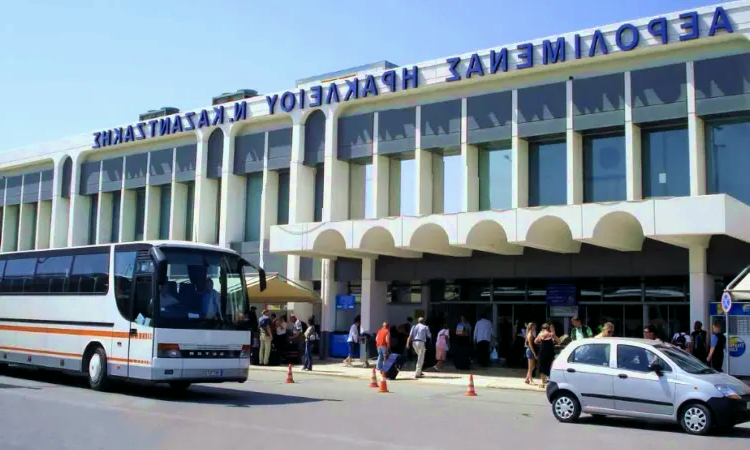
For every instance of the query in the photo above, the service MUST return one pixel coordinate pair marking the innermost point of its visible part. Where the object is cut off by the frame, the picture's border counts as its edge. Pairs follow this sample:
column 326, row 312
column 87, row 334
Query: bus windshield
column 202, row 290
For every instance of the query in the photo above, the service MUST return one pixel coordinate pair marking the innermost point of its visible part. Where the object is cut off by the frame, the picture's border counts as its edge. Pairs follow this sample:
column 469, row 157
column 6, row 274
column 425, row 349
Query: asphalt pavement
column 51, row 411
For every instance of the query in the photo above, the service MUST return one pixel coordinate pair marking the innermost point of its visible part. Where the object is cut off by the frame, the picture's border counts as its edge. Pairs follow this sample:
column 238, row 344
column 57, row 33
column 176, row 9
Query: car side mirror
column 655, row 367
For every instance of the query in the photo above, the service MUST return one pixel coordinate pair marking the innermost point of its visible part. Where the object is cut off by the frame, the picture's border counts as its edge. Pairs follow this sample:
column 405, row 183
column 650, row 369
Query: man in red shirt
column 383, row 342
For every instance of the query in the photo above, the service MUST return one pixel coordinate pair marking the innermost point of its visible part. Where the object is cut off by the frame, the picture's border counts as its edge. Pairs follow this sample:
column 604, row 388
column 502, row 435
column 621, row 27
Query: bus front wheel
column 97, row 370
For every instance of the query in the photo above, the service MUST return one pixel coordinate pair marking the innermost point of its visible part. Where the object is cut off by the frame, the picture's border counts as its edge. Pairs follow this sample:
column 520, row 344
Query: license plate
column 214, row 373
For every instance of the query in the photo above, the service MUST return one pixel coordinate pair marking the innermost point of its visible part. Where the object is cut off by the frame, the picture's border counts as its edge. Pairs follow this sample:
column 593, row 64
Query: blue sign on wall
column 561, row 295
column 738, row 309
column 345, row 302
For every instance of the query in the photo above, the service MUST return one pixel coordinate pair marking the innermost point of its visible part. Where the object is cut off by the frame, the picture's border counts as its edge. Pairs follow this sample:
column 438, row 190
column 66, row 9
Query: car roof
column 619, row 340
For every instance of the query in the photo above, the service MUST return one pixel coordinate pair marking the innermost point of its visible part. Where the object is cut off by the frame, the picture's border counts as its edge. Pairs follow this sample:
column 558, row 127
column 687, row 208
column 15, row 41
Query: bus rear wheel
column 179, row 386
column 97, row 370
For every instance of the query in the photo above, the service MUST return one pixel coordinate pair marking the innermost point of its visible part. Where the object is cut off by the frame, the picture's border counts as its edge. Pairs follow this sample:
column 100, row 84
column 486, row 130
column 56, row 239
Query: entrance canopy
column 739, row 288
column 279, row 290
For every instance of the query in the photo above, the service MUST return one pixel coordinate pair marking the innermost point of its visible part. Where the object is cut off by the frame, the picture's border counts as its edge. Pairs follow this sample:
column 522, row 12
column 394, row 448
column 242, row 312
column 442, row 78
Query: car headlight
column 727, row 391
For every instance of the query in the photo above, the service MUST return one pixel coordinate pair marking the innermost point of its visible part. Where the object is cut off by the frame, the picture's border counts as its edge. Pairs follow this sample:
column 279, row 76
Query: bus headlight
column 245, row 353
column 168, row 351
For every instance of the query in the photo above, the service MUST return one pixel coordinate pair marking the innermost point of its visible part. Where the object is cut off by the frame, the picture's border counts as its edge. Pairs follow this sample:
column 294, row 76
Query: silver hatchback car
column 647, row 380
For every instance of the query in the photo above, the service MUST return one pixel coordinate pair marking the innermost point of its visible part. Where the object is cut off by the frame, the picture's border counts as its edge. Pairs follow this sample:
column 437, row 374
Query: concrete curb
column 427, row 380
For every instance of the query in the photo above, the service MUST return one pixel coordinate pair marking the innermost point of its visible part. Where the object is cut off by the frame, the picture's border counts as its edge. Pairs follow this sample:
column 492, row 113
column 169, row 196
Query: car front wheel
column 566, row 408
column 696, row 419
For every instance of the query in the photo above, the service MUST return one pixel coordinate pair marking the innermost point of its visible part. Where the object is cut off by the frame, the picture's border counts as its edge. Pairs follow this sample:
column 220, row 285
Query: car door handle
column 572, row 370
column 622, row 375
column 133, row 332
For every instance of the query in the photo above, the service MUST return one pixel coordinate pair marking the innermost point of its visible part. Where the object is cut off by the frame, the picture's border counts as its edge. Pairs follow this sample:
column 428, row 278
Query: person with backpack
column 700, row 341
column 682, row 340
column 579, row 331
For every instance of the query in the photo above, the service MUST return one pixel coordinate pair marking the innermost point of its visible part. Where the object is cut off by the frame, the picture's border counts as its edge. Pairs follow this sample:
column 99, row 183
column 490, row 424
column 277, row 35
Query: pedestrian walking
column 418, row 338
column 718, row 344
column 442, row 345
column 700, row 341
column 383, row 343
column 352, row 340
column 546, row 342
column 310, row 336
column 531, row 355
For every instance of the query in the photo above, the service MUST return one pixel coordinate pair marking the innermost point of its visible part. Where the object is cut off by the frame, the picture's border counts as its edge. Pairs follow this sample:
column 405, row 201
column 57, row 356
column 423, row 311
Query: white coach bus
column 162, row 311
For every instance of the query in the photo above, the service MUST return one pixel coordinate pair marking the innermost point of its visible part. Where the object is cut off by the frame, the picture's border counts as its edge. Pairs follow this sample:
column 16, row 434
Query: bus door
column 140, row 339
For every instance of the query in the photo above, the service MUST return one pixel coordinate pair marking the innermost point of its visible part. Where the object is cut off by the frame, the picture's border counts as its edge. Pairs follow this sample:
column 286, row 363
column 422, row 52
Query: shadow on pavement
column 196, row 394
column 618, row 422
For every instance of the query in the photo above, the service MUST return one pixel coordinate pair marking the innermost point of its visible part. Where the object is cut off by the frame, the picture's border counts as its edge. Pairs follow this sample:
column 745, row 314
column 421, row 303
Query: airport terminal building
column 598, row 173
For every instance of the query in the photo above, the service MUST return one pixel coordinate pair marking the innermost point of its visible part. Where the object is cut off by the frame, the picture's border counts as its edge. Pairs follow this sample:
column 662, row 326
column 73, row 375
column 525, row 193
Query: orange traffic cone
column 289, row 378
column 383, row 384
column 374, row 381
column 471, row 392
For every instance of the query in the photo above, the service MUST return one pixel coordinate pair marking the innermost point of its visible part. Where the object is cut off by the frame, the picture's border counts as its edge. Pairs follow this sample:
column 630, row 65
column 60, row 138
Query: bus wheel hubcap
column 95, row 367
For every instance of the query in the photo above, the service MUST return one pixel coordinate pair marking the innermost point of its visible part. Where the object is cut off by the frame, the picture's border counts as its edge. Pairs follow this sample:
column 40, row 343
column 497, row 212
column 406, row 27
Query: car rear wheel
column 696, row 419
column 566, row 408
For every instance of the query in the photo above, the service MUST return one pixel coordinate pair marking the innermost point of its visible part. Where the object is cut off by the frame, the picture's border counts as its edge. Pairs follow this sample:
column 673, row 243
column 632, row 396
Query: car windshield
column 202, row 290
column 685, row 361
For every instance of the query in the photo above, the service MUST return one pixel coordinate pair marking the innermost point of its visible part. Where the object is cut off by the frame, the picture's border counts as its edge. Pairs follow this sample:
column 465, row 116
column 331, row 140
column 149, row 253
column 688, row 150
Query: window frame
column 608, row 345
column 664, row 363
column 36, row 256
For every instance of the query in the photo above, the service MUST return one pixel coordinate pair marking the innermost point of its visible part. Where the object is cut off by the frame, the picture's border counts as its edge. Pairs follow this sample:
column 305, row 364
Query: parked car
column 644, row 379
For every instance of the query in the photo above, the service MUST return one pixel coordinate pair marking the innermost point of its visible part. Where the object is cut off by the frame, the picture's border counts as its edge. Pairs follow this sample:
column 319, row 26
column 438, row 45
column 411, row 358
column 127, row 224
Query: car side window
column 591, row 354
column 638, row 359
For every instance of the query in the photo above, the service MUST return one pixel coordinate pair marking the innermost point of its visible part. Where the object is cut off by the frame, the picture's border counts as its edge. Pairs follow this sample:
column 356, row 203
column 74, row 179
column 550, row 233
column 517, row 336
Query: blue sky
column 76, row 66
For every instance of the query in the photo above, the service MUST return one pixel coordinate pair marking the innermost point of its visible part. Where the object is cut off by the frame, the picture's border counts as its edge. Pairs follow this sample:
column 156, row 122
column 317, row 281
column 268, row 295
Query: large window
column 604, row 168
column 189, row 214
column 140, row 213
column 57, row 272
column 165, row 211
column 282, row 211
column 318, row 192
column 253, row 198
column 93, row 218
column 728, row 158
column 361, row 199
column 547, row 173
column 116, row 205
column 32, row 223
column 666, row 162
column 495, row 178
column 452, row 174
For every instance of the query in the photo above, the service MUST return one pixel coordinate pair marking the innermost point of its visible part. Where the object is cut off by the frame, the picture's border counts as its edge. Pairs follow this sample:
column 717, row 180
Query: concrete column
column 79, row 208
column 374, row 298
column 206, row 190
column 127, row 220
column 701, row 285
column 394, row 187
column 438, row 169
column 520, row 157
column 574, row 159
column 336, row 174
column 10, row 228
column 104, row 222
column 179, row 211
column 231, row 225
column 60, row 209
column 470, row 167
column 633, row 168
column 43, row 224
column 696, row 138
column 423, row 168
column 380, row 176
column 151, row 218
column 269, row 206
column 25, row 223
column 357, row 191
column 301, row 205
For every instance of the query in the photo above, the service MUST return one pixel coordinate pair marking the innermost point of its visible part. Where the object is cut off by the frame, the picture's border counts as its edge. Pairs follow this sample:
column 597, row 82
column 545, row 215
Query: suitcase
column 392, row 365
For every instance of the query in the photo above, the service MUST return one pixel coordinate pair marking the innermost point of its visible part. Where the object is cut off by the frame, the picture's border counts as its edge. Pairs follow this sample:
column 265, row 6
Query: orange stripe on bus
column 75, row 332
column 43, row 352
column 72, row 355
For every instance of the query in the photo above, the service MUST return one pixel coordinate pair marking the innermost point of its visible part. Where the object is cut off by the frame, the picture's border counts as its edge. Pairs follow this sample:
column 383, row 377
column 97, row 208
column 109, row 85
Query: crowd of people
column 285, row 336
